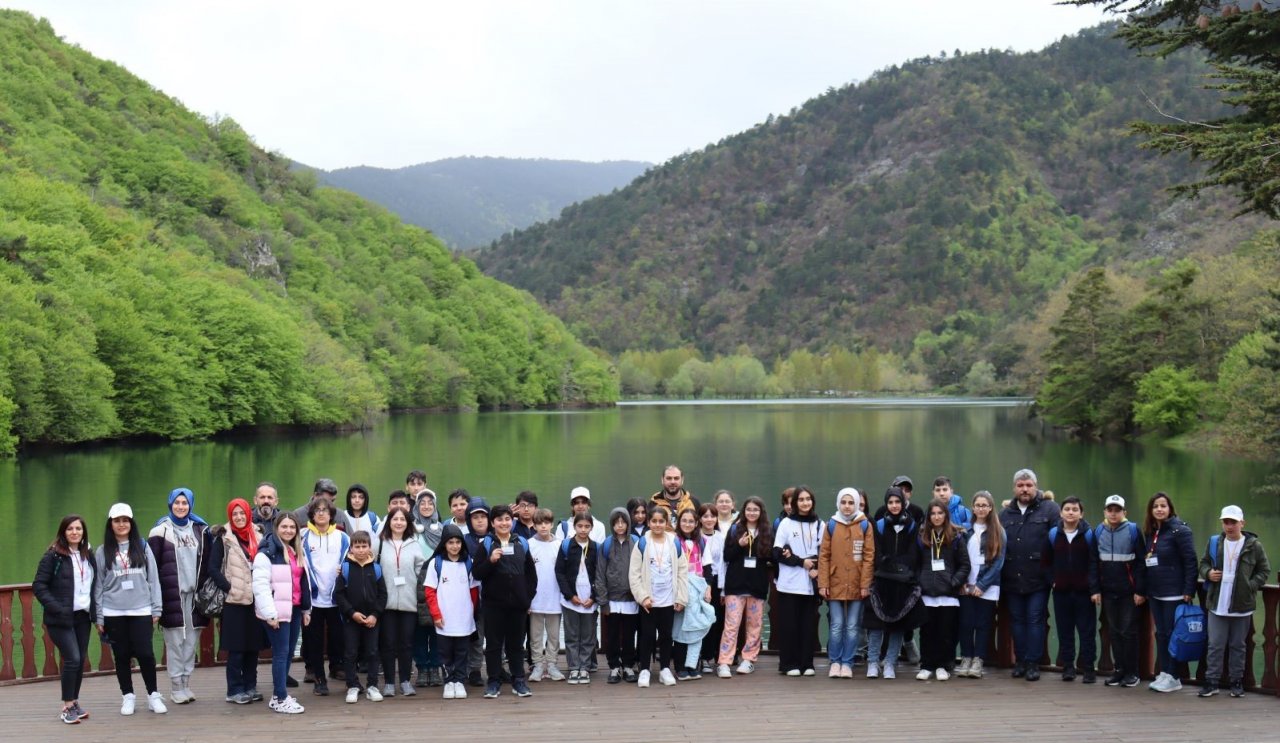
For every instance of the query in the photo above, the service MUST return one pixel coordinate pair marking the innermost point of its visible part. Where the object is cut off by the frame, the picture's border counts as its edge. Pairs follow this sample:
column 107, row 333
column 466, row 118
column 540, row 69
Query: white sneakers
column 809, row 672
column 794, row 672
column 127, row 704
column 554, row 673
column 286, row 706
column 667, row 677
column 889, row 671
column 746, row 667
column 723, row 672
column 353, row 695
column 942, row 674
column 846, row 671
column 534, row 676
column 643, row 681
column 373, row 694
column 1165, row 683
column 448, row 690
column 873, row 670
column 155, row 703
column 924, row 675
column 459, row 690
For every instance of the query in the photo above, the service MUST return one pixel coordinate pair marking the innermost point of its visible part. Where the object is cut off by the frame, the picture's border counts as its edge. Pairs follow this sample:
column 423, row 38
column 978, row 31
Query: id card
column 748, row 562
column 857, row 551
column 1153, row 561
column 126, row 585
column 939, row 565
column 398, row 580
column 508, row 549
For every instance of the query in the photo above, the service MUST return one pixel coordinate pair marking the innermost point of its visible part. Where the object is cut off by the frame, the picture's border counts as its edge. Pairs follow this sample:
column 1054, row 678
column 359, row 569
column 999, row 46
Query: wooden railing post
column 6, row 633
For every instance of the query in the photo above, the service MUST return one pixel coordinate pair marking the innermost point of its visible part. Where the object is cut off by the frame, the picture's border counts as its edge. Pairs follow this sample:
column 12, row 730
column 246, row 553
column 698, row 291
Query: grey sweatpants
column 1227, row 633
column 579, row 638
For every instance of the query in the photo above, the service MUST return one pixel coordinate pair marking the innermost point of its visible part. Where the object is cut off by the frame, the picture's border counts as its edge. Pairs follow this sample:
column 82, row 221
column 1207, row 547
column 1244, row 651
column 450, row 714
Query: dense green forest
column 472, row 201
column 162, row 275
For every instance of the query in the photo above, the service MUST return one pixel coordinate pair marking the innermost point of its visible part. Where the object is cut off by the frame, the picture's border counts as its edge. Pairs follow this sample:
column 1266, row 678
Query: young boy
column 398, row 499
column 620, row 612
column 1234, row 568
column 458, row 501
column 524, row 510
column 960, row 515
column 580, row 503
column 1119, row 585
column 415, row 482
column 452, row 594
column 508, row 580
column 575, row 574
column 544, row 613
column 361, row 596
column 1071, row 555
column 477, row 528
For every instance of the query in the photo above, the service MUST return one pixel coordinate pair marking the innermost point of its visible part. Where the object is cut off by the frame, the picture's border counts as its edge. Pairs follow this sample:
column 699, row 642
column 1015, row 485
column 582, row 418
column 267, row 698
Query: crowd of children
column 665, row 584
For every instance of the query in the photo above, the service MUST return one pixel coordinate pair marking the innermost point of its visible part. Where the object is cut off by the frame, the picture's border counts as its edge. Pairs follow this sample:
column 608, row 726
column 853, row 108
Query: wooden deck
column 760, row 707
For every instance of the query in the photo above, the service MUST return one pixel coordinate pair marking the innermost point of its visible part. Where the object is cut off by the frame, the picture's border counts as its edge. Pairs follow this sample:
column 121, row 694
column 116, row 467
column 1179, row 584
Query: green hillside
column 162, row 275
column 925, row 211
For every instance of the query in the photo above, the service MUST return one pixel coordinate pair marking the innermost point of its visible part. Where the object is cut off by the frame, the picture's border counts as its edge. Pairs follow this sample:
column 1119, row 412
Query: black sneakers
column 1208, row 690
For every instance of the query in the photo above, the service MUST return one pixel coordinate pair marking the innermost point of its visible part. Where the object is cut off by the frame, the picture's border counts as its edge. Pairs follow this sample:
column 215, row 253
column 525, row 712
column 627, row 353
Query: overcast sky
column 383, row 83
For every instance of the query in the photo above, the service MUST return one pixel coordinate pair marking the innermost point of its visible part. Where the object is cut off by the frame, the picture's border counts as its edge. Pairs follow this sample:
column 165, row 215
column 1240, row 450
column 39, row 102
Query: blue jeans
column 426, row 647
column 1162, row 613
column 283, row 640
column 1027, row 612
column 1075, row 614
column 845, row 620
column 975, row 626
column 875, row 638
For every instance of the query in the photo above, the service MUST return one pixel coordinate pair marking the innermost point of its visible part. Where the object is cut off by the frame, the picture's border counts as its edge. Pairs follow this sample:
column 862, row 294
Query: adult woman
column 231, row 556
column 844, row 578
column 895, row 592
column 64, row 586
column 282, row 600
column 985, row 544
column 944, row 566
column 426, row 652
column 128, row 604
column 402, row 560
column 748, row 551
column 795, row 549
column 180, row 542
column 1171, row 580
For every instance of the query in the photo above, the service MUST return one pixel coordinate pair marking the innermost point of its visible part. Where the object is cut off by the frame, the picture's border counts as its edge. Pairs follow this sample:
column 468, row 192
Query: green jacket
column 1251, row 574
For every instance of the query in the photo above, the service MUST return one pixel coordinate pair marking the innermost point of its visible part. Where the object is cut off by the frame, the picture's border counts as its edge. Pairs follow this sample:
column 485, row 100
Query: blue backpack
column 440, row 562
column 1088, row 535
column 831, row 527
column 640, row 543
column 1190, row 635
column 346, row 571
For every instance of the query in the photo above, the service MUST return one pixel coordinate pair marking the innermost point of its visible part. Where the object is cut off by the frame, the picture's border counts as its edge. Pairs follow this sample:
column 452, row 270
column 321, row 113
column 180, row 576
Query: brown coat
column 847, row 579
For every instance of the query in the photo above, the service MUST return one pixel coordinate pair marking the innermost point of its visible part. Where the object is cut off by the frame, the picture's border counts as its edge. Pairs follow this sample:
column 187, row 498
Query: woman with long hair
column 1171, row 580
column 128, row 602
column 282, row 600
column 64, row 586
column 180, row 541
column 712, row 537
column 795, row 549
column 231, row 556
column 943, row 570
column 402, row 559
column 748, row 552
column 985, row 545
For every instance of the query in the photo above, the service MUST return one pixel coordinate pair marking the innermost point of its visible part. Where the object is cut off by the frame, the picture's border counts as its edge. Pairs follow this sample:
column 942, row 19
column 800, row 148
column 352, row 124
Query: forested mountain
column 471, row 201
column 162, row 275
column 924, row 211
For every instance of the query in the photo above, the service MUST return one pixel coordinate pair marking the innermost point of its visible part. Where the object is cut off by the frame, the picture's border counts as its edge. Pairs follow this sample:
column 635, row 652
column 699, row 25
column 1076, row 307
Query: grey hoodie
column 613, row 571
column 127, row 591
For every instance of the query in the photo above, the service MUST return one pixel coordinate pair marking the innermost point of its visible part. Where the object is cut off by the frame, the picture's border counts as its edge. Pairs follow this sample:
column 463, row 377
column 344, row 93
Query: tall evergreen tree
column 1078, row 384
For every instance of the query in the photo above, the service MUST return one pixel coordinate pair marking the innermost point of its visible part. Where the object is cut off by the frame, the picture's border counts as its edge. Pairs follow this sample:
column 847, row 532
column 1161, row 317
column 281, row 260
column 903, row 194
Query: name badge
column 857, row 550
column 398, row 580
column 939, row 565
column 1153, row 561
column 748, row 562
column 126, row 585
column 508, row 549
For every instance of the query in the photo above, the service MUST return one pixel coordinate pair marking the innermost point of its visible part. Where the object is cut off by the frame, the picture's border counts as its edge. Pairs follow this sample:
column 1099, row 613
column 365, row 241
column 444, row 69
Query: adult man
column 672, row 497
column 266, row 506
column 903, row 483
column 1026, row 577
column 327, row 490
column 580, row 503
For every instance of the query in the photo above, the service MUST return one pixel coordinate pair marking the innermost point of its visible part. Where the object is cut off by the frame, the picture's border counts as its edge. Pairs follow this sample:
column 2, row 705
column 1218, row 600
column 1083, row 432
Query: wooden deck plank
column 760, row 707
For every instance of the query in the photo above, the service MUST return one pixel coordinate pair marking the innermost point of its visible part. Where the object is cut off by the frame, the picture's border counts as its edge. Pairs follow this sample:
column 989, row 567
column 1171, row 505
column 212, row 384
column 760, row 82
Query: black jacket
column 739, row 580
column 55, row 587
column 1027, row 538
column 567, row 562
column 361, row 591
column 955, row 557
column 511, row 581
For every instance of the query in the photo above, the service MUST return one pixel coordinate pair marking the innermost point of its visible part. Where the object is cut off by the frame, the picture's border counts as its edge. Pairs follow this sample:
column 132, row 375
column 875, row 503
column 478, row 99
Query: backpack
column 488, row 543
column 1213, row 551
column 1088, row 535
column 831, row 527
column 1190, row 636
column 1134, row 533
column 640, row 544
column 440, row 562
column 346, row 570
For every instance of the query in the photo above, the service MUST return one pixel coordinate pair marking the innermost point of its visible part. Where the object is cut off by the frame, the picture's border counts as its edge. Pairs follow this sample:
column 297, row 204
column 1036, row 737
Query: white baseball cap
column 1113, row 500
column 120, row 509
column 1232, row 512
column 579, row 492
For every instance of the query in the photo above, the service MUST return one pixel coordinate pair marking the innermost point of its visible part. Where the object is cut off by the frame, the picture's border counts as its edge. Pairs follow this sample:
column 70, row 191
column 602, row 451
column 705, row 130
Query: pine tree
column 1078, row 385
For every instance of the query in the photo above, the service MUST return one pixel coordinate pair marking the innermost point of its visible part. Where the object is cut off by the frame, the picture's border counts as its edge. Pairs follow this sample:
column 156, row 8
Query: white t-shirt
column 582, row 587
column 547, row 598
column 977, row 559
column 453, row 594
column 83, row 591
column 1230, row 563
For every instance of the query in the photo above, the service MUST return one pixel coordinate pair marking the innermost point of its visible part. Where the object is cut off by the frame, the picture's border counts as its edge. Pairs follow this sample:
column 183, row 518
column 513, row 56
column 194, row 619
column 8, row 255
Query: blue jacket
column 1026, row 539
column 988, row 572
column 1118, row 568
column 961, row 516
column 1174, row 548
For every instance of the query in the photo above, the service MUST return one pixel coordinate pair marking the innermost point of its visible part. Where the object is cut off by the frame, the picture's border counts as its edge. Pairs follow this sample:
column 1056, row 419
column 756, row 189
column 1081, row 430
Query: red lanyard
column 397, row 549
column 1155, row 539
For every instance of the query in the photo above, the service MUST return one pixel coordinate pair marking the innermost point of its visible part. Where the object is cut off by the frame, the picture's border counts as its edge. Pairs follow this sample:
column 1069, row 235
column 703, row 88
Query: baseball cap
column 579, row 492
column 1113, row 500
column 1232, row 512
column 903, row 480
column 120, row 509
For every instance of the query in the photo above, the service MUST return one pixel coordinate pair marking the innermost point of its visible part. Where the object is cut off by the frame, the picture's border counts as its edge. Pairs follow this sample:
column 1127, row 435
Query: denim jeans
column 1075, row 614
column 1027, row 612
column 426, row 647
column 975, row 626
column 1162, row 613
column 845, row 621
column 283, row 640
column 875, row 639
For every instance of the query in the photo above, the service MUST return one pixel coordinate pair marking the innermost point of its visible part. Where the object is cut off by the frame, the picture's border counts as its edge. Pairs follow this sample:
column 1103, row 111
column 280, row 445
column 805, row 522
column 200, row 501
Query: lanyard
column 1155, row 539
column 397, row 549
column 807, row 536
column 582, row 558
column 936, row 537
column 81, row 566
column 123, row 559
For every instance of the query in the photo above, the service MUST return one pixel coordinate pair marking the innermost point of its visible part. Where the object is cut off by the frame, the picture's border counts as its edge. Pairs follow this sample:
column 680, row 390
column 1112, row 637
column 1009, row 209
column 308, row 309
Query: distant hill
column 929, row 207
column 472, row 201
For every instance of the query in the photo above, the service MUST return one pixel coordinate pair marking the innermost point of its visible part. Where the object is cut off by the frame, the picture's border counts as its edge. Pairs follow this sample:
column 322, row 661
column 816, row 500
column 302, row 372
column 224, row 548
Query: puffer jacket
column 55, row 587
column 1174, row 573
column 162, row 541
column 846, row 559
column 229, row 566
column 613, row 571
column 273, row 584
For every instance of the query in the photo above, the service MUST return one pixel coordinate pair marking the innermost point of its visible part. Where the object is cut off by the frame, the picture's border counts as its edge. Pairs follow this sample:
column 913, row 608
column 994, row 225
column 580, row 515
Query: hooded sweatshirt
column 325, row 550
column 613, row 582
column 452, row 593
column 361, row 591
column 367, row 521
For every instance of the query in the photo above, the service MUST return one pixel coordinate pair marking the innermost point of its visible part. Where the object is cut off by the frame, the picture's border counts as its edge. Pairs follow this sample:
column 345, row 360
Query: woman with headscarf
column 895, row 592
column 180, row 542
column 426, row 652
column 235, row 545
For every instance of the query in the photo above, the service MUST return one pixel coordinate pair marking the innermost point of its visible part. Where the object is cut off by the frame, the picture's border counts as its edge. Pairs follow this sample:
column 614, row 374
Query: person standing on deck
column 673, row 496
column 1026, row 577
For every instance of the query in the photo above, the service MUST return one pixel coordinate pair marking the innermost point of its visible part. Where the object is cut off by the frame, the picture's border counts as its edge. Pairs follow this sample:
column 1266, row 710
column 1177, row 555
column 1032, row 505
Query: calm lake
column 619, row 453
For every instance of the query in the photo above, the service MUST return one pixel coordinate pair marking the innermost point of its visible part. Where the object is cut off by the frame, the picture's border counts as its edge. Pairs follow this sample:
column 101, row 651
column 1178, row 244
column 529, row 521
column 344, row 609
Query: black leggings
column 656, row 621
column 620, row 639
column 396, row 639
column 131, row 638
column 73, row 643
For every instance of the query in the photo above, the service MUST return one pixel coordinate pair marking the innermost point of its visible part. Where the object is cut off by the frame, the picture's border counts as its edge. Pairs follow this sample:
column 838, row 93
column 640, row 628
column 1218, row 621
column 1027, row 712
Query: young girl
column 795, row 549
column 452, row 594
column 282, row 600
column 712, row 569
column 360, row 517
column 689, row 534
column 426, row 653
column 180, row 543
column 235, row 545
column 575, row 576
column 944, row 567
column 748, row 550
column 402, row 560
column 1171, row 580
column 724, row 510
column 128, row 601
column 985, row 545
column 894, row 600
column 613, row 587
column 844, row 578
column 658, row 577
column 639, row 510
column 64, row 586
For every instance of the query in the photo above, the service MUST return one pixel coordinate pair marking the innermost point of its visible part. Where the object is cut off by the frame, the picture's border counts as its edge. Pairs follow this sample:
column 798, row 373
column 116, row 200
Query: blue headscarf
column 191, row 513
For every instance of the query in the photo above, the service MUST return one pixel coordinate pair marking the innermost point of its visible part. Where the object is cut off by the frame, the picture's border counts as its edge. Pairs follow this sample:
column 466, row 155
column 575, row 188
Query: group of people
column 666, row 579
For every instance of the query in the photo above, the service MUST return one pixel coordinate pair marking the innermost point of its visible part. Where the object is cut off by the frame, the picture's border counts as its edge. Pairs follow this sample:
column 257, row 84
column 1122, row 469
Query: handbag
column 210, row 598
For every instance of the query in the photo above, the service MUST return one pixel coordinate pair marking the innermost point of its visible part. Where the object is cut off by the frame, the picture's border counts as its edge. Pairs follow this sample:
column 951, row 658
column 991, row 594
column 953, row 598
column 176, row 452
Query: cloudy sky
column 392, row 83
